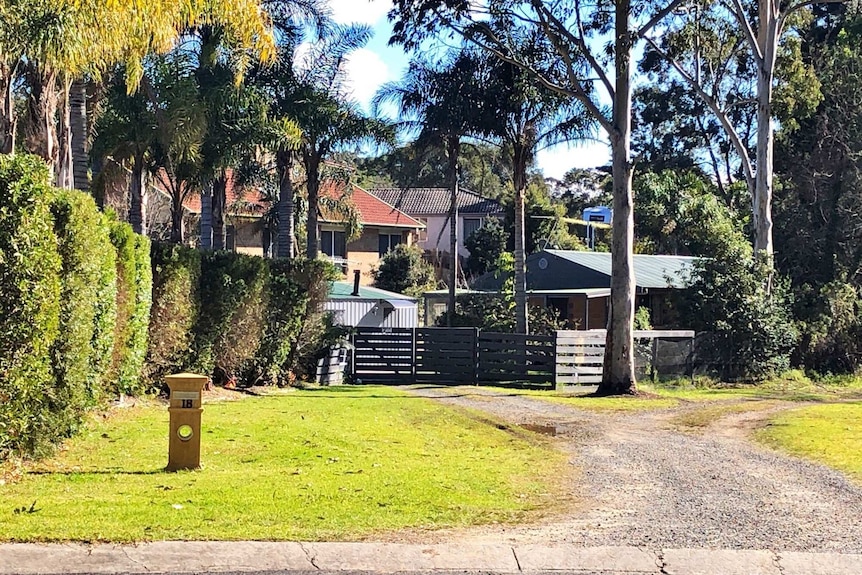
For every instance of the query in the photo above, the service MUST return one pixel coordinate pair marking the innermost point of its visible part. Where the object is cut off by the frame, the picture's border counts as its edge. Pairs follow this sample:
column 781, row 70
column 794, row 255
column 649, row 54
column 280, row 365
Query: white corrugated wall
column 372, row 313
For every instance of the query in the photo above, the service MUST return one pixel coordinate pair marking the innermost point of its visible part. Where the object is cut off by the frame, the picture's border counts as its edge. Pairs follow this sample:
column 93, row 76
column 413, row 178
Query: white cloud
column 556, row 161
column 359, row 11
column 366, row 72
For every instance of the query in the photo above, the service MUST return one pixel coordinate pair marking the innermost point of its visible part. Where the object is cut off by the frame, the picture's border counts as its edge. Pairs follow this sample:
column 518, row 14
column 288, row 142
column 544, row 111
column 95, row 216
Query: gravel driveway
column 644, row 483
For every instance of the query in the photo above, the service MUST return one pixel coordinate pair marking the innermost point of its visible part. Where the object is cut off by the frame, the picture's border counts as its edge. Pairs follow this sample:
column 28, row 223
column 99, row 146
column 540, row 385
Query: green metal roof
column 650, row 271
column 344, row 290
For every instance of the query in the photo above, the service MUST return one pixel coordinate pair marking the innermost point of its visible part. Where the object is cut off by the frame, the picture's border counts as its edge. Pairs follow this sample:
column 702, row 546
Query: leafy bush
column 492, row 312
column 29, row 304
column 176, row 273
column 239, row 319
column 750, row 333
column 404, row 270
column 486, row 245
column 134, row 297
column 82, row 354
column 231, row 320
column 830, row 325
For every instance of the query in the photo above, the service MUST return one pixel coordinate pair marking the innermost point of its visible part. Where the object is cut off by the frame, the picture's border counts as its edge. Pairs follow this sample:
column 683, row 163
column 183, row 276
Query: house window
column 333, row 244
column 388, row 242
column 471, row 225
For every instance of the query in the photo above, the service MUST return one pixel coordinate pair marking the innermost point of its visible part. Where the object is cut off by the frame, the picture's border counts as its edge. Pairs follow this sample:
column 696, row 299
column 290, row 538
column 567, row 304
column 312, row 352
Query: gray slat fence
column 516, row 358
column 383, row 355
column 445, row 355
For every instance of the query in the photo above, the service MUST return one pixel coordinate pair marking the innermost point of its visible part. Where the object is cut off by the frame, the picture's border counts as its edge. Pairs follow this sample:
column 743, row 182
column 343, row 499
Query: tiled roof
column 372, row 210
column 245, row 202
column 435, row 201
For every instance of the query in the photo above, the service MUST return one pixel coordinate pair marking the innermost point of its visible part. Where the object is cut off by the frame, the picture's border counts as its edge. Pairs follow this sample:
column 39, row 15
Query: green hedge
column 81, row 355
column 74, row 304
column 134, row 298
column 29, row 304
column 239, row 319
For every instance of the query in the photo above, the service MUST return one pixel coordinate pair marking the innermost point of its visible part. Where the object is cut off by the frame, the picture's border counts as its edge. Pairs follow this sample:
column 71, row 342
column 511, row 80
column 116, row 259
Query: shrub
column 403, row 270
column 231, row 319
column 750, row 333
column 176, row 273
column 29, row 304
column 288, row 301
column 83, row 352
column 486, row 245
column 134, row 297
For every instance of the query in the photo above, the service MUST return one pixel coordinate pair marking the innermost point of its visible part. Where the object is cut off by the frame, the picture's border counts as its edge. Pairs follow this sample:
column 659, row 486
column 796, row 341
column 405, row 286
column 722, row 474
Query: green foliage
column 82, row 355
column 134, row 298
column 176, row 272
column 678, row 213
column 29, row 304
column 231, row 319
column 749, row 330
column 288, row 301
column 486, row 245
column 404, row 270
column 239, row 319
column 642, row 319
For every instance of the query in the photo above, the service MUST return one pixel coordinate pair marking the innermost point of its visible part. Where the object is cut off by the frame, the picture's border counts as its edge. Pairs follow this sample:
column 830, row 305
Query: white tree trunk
column 767, row 39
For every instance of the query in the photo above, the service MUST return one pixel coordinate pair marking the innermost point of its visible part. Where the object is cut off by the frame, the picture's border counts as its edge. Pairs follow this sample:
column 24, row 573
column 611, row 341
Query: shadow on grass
column 100, row 472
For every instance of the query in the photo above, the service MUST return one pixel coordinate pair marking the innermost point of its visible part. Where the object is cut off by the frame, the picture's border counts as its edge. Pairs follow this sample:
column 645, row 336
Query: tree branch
column 739, row 12
column 658, row 17
column 713, row 105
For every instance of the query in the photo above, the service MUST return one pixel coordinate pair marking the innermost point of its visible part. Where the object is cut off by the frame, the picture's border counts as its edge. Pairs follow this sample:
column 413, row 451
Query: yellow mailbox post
column 184, row 447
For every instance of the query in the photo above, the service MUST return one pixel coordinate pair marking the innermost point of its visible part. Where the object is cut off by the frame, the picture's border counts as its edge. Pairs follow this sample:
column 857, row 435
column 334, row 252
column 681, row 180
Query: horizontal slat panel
column 569, row 369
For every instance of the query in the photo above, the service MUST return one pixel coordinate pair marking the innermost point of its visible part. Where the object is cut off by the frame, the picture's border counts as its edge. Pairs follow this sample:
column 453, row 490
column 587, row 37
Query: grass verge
column 830, row 434
column 702, row 417
column 338, row 464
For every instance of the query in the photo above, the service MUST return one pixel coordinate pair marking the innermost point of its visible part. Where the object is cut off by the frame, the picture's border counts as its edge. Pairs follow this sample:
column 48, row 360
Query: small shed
column 363, row 306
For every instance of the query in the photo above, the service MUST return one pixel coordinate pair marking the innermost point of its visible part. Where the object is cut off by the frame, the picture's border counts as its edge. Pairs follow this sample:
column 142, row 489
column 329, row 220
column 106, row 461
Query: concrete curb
column 216, row 556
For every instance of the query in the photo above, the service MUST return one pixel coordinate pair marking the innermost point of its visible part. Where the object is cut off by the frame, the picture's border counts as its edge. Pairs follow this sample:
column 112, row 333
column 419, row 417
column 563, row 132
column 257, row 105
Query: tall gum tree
column 760, row 27
column 578, row 32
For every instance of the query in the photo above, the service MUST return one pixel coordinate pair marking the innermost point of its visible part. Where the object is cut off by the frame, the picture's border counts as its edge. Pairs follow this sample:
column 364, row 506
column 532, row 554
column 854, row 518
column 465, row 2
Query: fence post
column 556, row 336
column 652, row 369
column 476, row 332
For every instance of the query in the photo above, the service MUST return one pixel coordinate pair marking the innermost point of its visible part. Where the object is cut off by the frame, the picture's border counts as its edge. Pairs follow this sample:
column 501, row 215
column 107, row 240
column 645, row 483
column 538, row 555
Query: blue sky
column 378, row 63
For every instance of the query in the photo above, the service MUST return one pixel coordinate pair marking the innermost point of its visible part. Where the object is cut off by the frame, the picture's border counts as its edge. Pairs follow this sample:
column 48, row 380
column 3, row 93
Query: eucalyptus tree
column 593, row 44
column 326, row 115
column 730, row 54
column 442, row 104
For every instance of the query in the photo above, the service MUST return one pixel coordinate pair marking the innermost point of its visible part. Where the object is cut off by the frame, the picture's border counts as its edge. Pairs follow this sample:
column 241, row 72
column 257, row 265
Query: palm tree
column 327, row 117
column 124, row 134
column 532, row 117
column 442, row 104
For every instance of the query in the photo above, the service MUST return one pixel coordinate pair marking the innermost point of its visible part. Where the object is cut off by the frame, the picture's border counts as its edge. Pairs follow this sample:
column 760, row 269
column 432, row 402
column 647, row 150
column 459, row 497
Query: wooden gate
column 445, row 355
column 383, row 355
column 511, row 358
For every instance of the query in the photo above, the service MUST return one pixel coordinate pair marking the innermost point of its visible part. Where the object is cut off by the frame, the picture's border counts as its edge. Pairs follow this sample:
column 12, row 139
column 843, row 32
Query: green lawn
column 830, row 434
column 339, row 464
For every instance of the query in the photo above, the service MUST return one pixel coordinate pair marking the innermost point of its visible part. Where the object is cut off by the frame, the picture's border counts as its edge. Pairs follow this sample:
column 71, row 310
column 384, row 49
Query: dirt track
column 644, row 482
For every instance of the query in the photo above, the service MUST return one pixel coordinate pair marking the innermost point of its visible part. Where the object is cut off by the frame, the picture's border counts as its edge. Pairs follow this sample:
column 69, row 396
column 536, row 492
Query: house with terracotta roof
column 430, row 206
column 383, row 228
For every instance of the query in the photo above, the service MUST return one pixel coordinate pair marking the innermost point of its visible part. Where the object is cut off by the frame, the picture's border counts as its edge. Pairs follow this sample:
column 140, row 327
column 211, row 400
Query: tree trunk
column 177, row 227
column 285, row 247
column 618, row 375
column 219, row 199
column 762, row 201
column 312, row 246
column 522, row 318
column 63, row 177
column 8, row 120
column 453, row 146
column 80, row 150
column 207, row 216
column 40, row 137
column 137, row 197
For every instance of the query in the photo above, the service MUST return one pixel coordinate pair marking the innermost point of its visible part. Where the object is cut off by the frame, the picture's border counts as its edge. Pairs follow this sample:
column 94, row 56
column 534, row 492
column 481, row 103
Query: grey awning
column 399, row 303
